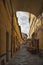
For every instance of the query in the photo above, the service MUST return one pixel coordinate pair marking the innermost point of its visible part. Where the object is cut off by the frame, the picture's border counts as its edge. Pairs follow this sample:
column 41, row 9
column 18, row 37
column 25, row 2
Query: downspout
column 11, row 27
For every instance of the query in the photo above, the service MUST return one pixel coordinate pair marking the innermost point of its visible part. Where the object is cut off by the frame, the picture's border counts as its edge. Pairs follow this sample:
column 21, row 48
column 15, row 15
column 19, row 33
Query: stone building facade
column 36, row 29
column 10, row 35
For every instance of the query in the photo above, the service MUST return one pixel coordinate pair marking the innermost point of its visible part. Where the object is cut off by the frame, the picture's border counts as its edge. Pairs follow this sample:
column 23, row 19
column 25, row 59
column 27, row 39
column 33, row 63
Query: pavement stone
column 23, row 57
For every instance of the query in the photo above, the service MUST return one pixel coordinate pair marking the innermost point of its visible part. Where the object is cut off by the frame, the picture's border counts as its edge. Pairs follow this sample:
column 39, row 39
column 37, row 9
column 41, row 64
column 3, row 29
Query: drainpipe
column 11, row 28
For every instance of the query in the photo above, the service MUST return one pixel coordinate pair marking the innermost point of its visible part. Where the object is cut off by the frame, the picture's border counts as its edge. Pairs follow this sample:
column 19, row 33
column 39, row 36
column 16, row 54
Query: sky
column 23, row 20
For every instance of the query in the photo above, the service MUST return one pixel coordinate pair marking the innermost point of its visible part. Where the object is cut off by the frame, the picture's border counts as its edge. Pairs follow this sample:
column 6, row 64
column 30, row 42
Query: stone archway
column 33, row 6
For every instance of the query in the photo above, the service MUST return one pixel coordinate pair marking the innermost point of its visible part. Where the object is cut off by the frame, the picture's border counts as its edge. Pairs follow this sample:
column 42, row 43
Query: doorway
column 7, row 46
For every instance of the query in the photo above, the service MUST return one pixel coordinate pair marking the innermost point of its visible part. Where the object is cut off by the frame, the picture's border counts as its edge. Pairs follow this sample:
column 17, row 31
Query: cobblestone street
column 23, row 57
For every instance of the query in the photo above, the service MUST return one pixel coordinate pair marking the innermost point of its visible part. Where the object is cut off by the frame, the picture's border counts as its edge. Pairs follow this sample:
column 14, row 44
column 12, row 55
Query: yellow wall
column 17, row 30
column 32, row 23
column 5, row 26
column 40, row 35
column 36, row 26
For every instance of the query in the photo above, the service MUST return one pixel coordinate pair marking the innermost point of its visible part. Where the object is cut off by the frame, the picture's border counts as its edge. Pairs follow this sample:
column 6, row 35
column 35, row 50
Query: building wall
column 17, row 29
column 9, row 36
column 17, row 38
column 5, row 26
column 40, row 35
column 32, row 23
column 6, row 31
column 36, row 25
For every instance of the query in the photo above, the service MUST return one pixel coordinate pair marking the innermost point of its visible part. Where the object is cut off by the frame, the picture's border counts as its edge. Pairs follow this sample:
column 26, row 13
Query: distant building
column 24, row 36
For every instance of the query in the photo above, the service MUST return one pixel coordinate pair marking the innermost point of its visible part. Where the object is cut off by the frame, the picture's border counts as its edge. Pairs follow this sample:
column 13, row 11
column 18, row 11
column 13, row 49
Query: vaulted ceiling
column 32, row 6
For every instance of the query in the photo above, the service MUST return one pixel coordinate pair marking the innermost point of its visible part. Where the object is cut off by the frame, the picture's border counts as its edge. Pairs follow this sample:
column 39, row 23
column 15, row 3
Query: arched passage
column 32, row 6
column 8, row 9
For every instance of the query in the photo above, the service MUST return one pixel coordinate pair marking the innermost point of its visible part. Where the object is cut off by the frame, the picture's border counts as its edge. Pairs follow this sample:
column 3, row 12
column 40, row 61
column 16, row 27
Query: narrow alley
column 21, row 32
column 23, row 57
